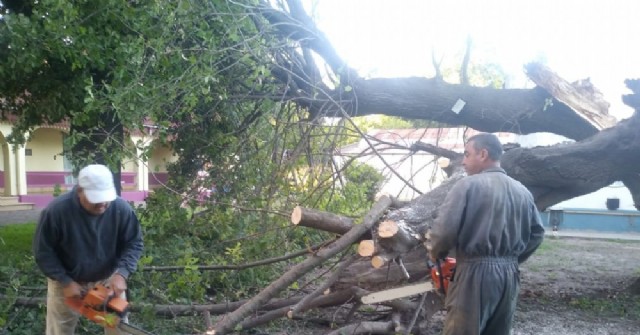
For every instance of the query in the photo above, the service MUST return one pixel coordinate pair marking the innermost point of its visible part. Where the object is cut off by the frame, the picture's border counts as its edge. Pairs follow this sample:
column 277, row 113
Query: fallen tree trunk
column 325, row 221
column 565, row 171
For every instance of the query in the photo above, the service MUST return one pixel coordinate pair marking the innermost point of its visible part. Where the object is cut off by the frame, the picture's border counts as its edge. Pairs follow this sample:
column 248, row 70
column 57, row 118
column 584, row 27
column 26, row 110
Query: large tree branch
column 521, row 111
column 561, row 172
column 298, row 26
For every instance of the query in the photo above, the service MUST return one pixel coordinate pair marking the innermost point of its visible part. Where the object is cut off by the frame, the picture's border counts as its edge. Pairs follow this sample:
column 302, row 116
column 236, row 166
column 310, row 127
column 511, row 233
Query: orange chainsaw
column 441, row 275
column 101, row 306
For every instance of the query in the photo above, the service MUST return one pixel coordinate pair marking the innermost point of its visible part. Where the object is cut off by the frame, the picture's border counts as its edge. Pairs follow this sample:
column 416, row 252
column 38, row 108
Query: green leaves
column 201, row 71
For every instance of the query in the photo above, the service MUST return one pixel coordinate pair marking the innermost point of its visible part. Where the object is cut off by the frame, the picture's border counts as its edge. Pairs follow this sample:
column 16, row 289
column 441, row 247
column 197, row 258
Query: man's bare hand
column 72, row 290
column 118, row 284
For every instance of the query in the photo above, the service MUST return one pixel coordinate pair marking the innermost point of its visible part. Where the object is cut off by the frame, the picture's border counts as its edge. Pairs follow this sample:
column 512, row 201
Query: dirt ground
column 570, row 286
column 579, row 286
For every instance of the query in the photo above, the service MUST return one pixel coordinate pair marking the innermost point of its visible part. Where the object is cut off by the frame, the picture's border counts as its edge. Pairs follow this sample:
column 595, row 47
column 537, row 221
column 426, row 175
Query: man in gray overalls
column 492, row 223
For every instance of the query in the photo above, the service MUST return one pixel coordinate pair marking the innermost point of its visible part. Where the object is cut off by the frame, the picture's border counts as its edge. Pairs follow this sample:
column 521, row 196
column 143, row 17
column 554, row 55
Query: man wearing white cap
column 85, row 236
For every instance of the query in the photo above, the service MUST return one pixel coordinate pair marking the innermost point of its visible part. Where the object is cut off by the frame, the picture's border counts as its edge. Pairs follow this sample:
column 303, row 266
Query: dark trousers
column 482, row 298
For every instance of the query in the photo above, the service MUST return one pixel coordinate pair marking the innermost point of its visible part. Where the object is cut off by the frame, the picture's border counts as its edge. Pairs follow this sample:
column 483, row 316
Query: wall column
column 143, row 172
column 21, row 170
column 10, row 182
column 142, row 178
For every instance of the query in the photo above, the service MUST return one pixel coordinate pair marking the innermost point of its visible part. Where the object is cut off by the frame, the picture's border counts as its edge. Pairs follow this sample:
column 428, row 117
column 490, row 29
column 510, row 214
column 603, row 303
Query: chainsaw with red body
column 103, row 307
column 441, row 274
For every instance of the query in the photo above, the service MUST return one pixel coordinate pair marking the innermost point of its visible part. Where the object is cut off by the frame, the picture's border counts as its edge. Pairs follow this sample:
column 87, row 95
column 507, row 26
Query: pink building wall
column 50, row 179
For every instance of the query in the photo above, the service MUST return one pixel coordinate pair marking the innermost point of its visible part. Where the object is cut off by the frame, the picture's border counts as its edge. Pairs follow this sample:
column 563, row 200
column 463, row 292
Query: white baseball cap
column 97, row 183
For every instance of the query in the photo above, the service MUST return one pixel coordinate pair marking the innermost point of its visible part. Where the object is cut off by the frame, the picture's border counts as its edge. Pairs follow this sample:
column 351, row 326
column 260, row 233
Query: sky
column 576, row 39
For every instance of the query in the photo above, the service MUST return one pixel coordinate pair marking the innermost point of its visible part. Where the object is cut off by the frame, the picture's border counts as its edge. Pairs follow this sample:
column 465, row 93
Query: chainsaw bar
column 133, row 330
column 396, row 293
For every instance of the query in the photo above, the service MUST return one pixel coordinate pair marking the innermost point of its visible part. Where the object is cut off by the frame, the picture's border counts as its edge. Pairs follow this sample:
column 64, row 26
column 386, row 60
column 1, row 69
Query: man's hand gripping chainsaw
column 442, row 273
column 101, row 306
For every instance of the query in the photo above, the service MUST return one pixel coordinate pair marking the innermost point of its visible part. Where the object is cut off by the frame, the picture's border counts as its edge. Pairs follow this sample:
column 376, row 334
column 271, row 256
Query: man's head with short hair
column 481, row 152
column 489, row 142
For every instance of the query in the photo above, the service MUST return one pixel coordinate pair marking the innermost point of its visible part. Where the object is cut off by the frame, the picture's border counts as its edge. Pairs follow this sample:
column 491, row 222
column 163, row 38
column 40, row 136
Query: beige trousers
column 62, row 320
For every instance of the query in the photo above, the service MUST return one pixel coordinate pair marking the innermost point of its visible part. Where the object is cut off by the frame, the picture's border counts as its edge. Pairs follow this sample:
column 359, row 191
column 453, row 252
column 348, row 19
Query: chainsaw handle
column 431, row 264
column 74, row 303
column 440, row 275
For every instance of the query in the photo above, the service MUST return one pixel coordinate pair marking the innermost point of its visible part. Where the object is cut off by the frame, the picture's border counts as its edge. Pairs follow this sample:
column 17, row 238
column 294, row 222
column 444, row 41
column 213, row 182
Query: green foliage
column 354, row 196
column 57, row 190
column 363, row 183
column 187, row 66
column 173, row 236
column 17, row 269
column 15, row 242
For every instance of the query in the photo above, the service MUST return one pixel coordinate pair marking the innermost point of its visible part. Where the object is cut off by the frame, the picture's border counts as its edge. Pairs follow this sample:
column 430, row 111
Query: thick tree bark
column 561, row 172
column 522, row 111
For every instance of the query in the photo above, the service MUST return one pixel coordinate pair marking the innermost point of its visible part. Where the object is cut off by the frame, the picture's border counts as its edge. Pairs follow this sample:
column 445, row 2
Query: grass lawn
column 15, row 242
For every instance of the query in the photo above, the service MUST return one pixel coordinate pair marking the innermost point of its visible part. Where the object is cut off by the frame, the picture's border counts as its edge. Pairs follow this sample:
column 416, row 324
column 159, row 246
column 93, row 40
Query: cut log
column 379, row 261
column 364, row 275
column 387, row 229
column 325, row 221
column 397, row 236
column 366, row 248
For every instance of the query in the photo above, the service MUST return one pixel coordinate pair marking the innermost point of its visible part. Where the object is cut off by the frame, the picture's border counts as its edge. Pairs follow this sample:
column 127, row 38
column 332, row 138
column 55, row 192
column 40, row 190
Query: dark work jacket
column 487, row 215
column 72, row 245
